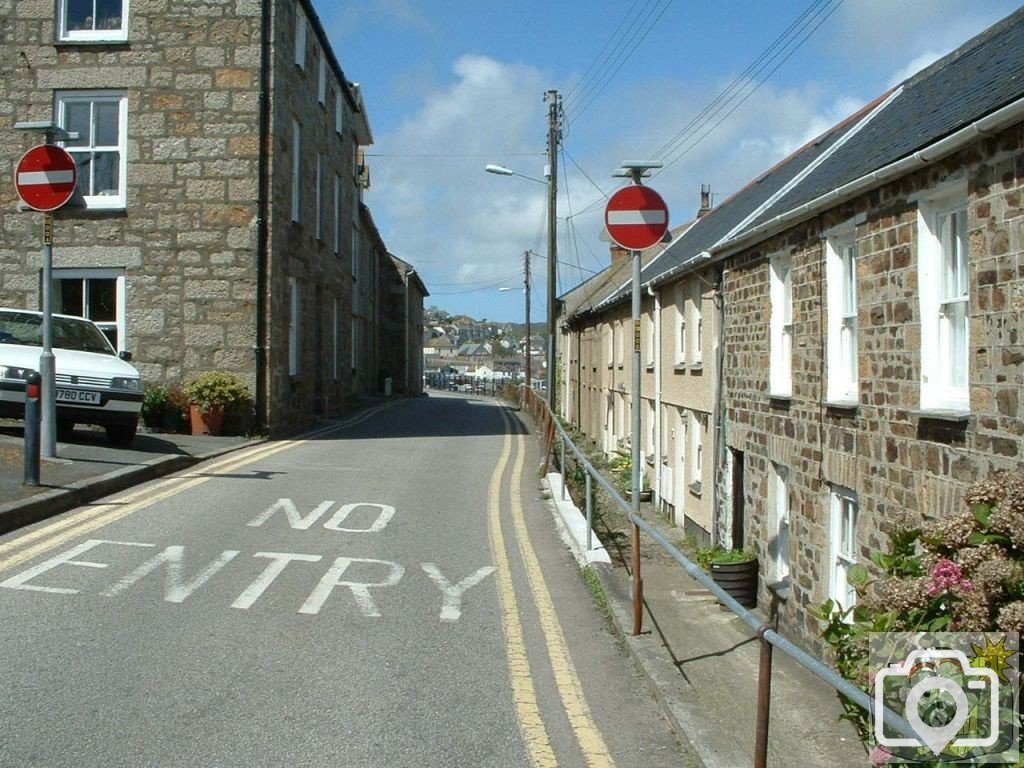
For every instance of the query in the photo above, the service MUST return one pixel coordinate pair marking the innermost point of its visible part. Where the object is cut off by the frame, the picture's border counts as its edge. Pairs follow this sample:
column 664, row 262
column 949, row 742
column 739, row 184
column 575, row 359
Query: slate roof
column 984, row 74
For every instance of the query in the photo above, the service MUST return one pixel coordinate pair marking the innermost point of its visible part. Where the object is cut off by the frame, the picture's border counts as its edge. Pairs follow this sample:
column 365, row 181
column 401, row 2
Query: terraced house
column 218, row 222
column 863, row 302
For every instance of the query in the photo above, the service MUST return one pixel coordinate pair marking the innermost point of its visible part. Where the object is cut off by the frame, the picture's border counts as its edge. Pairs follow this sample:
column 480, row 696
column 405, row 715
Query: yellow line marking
column 90, row 519
column 531, row 725
column 591, row 743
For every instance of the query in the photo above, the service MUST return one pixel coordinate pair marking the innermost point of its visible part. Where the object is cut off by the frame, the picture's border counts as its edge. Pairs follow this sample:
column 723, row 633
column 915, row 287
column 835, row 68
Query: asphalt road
column 389, row 594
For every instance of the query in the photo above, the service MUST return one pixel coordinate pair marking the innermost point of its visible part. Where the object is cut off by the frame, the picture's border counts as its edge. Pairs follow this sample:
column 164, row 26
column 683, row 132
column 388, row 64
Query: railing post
column 764, row 700
column 638, row 584
column 590, row 511
column 565, row 474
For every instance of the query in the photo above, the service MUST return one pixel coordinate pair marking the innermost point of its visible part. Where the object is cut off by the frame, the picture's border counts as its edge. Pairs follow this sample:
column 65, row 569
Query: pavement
column 701, row 661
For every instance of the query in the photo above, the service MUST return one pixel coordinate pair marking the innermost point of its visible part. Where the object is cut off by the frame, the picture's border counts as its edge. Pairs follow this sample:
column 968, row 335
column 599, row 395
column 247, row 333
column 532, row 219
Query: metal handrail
column 769, row 637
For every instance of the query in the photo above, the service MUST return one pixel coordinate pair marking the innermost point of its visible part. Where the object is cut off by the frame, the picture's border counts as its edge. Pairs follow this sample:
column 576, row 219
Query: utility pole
column 554, row 137
column 529, row 371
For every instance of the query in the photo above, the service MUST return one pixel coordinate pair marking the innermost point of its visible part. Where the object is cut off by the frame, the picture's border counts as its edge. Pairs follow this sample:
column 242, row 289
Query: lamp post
column 550, row 183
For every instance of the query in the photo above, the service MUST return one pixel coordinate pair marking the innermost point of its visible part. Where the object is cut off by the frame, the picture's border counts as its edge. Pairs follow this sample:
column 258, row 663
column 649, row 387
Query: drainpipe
column 263, row 218
column 656, row 341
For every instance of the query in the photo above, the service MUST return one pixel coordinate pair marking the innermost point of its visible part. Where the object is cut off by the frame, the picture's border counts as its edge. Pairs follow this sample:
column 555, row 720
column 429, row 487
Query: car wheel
column 121, row 435
column 65, row 429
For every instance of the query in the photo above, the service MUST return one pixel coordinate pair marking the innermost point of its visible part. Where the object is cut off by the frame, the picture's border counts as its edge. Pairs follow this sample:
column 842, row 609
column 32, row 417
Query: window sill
column 679, row 368
column 650, row 367
column 954, row 416
column 697, row 367
column 695, row 488
column 106, row 41
column 842, row 405
column 780, row 401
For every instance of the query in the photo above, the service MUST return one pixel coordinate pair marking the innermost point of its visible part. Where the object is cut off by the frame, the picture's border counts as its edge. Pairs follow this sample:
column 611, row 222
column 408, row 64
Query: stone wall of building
column 897, row 459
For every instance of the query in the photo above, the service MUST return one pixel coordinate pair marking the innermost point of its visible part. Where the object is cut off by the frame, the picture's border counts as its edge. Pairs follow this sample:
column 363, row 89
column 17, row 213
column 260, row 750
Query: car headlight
column 14, row 372
column 122, row 382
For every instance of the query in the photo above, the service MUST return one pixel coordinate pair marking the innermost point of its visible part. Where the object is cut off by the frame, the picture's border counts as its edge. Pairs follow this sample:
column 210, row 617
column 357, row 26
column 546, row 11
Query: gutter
column 986, row 126
column 263, row 218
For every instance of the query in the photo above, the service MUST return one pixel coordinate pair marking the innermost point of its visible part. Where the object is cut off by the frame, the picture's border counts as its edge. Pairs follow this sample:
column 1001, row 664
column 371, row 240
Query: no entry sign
column 636, row 217
column 45, row 178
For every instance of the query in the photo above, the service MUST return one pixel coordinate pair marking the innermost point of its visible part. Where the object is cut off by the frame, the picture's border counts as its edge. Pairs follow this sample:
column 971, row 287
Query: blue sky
column 451, row 86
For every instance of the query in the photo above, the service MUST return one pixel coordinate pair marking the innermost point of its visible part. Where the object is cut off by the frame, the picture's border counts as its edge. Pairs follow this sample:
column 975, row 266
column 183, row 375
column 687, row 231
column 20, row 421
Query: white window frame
column 319, row 196
column 843, row 548
column 843, row 385
column 301, row 32
column 118, row 325
column 650, row 339
column 611, row 345
column 944, row 283
column 650, row 448
column 337, row 214
column 339, row 111
column 83, row 148
column 696, row 450
column 321, row 86
column 64, row 34
column 781, row 501
column 294, row 325
column 697, row 324
column 619, row 356
column 780, row 269
column 296, row 170
column 680, row 325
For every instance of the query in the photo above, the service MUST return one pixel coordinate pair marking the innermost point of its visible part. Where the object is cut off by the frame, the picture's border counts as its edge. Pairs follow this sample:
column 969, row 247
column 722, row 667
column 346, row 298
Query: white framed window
column 301, row 31
column 319, row 196
column 98, row 294
column 321, row 86
column 651, row 336
column 92, row 20
column 339, row 111
column 779, row 534
column 618, row 343
column 337, row 214
column 610, row 346
column 698, row 323
column 100, row 152
column 294, row 325
column 696, row 435
column 841, row 300
column 652, row 419
column 680, row 325
column 842, row 545
column 335, row 341
column 945, row 303
column 781, row 342
column 296, row 169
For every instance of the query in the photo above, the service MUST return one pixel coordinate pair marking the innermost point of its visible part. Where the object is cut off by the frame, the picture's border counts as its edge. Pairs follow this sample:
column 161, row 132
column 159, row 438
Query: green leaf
column 977, row 539
column 858, row 575
column 982, row 513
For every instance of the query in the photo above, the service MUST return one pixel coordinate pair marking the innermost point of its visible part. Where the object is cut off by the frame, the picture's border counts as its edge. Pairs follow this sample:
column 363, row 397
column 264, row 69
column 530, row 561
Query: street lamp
column 552, row 186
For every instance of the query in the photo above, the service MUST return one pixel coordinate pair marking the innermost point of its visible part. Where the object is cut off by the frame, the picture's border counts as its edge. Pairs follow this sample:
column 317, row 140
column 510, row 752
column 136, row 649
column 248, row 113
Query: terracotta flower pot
column 208, row 423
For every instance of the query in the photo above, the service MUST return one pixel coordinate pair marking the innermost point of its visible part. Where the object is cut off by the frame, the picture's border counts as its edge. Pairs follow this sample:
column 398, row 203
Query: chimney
column 618, row 253
column 705, row 200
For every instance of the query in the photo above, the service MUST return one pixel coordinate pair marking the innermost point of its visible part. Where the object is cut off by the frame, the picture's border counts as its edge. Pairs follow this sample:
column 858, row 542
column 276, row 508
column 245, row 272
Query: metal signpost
column 636, row 218
column 45, row 179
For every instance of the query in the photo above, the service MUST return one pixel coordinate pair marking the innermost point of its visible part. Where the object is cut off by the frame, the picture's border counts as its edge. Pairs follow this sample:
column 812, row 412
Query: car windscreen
column 68, row 333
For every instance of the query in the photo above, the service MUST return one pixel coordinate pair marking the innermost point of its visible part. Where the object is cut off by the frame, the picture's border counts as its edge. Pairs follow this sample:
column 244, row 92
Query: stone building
column 864, row 303
column 218, row 223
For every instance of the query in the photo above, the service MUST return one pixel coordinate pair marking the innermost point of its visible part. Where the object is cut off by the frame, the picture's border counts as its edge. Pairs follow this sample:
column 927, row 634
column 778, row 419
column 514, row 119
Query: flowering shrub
column 962, row 573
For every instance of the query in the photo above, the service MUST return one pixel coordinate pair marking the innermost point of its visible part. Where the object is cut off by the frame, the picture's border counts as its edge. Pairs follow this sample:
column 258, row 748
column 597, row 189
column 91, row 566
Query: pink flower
column 946, row 575
column 879, row 756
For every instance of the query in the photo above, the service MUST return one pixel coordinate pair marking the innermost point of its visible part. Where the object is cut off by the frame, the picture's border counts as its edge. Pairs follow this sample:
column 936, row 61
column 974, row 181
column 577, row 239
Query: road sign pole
column 47, row 364
column 637, row 456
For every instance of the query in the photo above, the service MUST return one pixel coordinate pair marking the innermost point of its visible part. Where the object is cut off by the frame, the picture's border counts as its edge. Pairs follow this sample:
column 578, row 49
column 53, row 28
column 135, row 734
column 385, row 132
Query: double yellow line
column 531, row 723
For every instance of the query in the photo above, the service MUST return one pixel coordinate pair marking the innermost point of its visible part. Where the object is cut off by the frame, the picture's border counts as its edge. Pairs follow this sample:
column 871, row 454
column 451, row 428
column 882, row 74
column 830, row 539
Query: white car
column 95, row 385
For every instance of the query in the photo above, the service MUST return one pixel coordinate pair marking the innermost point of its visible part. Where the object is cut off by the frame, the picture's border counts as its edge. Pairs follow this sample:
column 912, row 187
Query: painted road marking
column 378, row 574
column 524, row 695
column 591, row 743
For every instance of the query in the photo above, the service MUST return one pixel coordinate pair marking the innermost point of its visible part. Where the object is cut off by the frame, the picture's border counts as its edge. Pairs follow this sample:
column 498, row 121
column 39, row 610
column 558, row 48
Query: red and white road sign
column 45, row 178
column 636, row 217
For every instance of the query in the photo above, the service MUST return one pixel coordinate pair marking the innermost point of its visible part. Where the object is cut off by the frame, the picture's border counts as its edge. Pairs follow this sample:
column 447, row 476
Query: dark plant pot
column 152, row 420
column 739, row 580
column 645, row 495
column 170, row 420
column 208, row 423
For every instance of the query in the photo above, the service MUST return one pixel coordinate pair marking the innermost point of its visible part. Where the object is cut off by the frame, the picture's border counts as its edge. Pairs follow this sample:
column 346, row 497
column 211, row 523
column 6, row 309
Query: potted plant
column 621, row 465
column 734, row 570
column 154, row 402
column 208, row 395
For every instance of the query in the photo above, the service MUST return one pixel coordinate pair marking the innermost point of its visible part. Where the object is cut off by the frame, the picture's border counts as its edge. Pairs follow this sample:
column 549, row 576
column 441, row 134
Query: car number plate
column 78, row 396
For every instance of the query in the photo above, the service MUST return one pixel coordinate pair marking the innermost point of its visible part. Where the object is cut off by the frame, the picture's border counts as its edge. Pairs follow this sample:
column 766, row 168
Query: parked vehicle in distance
column 95, row 385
